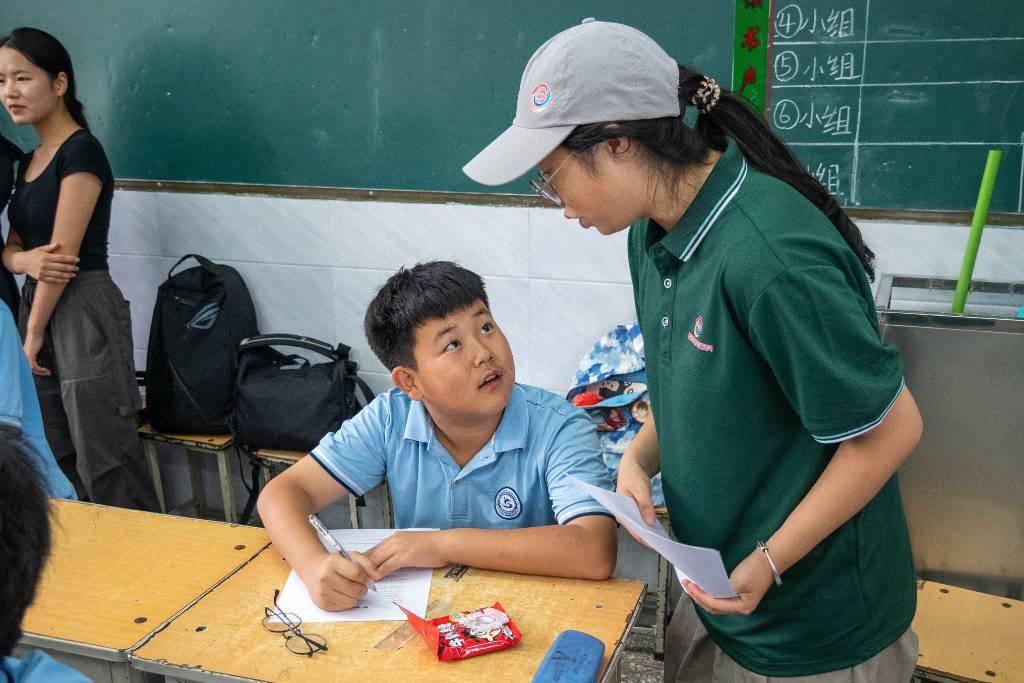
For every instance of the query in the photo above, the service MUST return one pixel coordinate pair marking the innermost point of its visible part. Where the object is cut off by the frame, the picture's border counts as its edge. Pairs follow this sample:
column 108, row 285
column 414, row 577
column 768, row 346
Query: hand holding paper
column 702, row 566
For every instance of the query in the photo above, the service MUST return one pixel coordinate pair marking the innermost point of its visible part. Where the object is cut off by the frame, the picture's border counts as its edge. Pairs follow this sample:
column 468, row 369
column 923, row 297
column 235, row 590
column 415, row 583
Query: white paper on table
column 409, row 586
column 703, row 566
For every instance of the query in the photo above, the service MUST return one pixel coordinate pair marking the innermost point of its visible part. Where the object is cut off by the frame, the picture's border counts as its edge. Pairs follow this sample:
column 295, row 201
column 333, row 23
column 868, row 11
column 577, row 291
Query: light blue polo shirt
column 519, row 479
column 38, row 667
column 20, row 418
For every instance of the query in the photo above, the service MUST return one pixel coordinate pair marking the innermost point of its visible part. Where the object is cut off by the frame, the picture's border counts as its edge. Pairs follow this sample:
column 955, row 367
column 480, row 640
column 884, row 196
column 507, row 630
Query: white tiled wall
column 313, row 265
column 937, row 250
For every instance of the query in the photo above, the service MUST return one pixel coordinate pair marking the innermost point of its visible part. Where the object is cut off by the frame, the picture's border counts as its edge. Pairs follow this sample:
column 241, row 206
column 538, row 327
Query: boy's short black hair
column 24, row 539
column 411, row 297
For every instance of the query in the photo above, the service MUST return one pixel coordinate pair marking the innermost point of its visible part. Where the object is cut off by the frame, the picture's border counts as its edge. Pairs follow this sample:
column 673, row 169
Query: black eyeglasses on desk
column 287, row 624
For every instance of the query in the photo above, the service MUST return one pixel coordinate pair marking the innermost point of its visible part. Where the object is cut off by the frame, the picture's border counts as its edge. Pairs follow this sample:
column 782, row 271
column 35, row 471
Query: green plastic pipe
column 988, row 182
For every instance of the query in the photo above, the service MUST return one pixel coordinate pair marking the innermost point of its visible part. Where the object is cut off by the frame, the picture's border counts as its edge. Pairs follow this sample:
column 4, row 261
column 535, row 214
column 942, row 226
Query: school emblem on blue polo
column 698, row 327
column 507, row 503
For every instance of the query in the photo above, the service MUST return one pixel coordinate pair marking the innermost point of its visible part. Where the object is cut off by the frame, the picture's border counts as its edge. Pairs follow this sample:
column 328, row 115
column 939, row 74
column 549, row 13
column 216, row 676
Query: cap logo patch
column 540, row 97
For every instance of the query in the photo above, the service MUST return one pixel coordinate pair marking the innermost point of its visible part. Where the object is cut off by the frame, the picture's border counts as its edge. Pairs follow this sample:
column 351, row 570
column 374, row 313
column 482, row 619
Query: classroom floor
column 638, row 663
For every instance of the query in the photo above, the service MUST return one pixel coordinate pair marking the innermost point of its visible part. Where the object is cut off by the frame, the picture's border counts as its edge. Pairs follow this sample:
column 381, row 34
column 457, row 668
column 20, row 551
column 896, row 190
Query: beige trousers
column 691, row 656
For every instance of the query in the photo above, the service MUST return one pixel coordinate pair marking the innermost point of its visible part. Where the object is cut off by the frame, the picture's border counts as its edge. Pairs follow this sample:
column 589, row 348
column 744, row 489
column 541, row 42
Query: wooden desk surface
column 279, row 455
column 969, row 636
column 115, row 575
column 222, row 633
column 214, row 442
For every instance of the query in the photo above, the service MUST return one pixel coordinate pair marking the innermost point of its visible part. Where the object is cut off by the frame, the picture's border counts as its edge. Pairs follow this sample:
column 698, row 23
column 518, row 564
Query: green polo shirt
column 763, row 353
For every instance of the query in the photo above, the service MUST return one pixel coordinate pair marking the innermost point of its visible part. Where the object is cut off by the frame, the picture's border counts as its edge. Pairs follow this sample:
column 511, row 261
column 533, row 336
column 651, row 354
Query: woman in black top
column 75, row 324
column 9, row 155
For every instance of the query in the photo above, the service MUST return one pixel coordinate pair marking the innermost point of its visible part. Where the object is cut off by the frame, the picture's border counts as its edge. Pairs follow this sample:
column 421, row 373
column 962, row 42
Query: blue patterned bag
column 610, row 384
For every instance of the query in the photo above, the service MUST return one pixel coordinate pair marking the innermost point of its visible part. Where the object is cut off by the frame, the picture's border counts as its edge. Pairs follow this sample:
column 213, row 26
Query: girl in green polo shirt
column 781, row 416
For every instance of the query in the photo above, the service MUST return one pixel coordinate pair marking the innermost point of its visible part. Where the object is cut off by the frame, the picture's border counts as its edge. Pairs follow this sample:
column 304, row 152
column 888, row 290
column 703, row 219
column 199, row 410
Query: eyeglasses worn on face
column 542, row 184
column 287, row 625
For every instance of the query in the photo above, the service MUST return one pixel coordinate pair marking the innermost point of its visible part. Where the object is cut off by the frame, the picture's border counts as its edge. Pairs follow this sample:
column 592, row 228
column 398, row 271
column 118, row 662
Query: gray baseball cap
column 591, row 73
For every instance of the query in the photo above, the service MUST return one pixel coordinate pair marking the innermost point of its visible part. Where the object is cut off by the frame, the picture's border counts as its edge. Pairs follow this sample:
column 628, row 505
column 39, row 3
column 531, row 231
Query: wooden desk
column 221, row 637
column 968, row 636
column 115, row 576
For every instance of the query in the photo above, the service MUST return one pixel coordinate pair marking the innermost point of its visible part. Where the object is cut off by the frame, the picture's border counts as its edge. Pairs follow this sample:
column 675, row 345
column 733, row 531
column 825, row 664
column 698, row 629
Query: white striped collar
column 716, row 211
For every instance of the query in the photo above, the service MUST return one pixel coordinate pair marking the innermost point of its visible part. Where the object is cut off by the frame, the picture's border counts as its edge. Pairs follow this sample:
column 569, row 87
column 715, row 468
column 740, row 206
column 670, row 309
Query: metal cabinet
column 963, row 487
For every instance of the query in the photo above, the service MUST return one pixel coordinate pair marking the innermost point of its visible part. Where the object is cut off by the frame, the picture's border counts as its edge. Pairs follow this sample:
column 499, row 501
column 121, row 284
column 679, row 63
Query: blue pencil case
column 574, row 657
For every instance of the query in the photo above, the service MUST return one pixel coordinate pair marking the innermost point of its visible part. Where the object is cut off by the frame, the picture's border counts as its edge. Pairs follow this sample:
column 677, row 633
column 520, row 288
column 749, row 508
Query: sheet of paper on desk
column 409, row 586
column 703, row 566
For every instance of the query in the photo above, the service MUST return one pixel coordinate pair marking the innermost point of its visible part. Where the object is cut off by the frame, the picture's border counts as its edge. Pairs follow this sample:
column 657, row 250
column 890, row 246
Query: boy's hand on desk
column 334, row 583
column 408, row 549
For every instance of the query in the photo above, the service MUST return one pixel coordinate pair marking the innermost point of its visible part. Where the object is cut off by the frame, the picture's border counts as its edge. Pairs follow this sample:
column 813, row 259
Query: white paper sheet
column 703, row 566
column 409, row 586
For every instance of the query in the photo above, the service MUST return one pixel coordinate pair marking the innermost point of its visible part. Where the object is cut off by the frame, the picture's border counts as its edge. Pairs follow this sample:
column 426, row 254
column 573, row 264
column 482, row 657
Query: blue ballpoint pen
column 333, row 543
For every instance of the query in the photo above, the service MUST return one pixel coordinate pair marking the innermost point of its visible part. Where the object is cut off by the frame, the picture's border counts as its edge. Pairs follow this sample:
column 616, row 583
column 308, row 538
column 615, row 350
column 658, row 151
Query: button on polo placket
column 459, row 497
column 460, row 487
column 666, row 331
column 667, row 265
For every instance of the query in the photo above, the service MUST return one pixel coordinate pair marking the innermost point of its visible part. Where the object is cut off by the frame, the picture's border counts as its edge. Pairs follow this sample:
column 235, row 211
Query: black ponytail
column 77, row 110
column 673, row 147
column 46, row 52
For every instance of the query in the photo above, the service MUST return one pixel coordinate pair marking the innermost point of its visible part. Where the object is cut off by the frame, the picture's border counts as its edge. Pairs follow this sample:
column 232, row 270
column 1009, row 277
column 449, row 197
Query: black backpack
column 201, row 315
column 285, row 401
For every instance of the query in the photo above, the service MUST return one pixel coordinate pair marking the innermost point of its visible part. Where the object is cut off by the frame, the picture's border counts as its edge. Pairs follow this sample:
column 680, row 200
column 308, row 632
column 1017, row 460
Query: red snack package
column 467, row 634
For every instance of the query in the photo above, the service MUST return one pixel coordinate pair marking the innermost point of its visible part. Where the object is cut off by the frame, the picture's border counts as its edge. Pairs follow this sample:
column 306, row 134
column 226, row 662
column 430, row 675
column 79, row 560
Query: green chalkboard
column 399, row 94
column 386, row 94
column 896, row 104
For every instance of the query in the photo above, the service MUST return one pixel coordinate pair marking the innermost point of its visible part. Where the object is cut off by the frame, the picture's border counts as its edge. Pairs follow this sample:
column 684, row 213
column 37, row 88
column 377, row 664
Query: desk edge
column 616, row 654
column 73, row 647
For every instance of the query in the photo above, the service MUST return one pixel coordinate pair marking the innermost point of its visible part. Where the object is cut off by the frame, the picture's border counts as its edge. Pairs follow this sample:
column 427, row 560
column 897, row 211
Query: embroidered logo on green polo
column 693, row 336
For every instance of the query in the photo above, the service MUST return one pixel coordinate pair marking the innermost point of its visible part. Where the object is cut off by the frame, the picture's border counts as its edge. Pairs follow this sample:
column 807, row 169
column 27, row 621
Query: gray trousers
column 90, row 402
column 691, row 655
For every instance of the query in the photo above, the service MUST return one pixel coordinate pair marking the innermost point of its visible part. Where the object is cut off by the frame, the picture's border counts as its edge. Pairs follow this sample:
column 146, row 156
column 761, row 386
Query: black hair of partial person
column 412, row 297
column 46, row 52
column 672, row 146
column 24, row 539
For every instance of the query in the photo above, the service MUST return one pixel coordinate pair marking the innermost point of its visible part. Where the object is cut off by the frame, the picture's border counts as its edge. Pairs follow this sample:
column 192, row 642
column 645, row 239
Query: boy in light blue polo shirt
column 20, row 418
column 464, row 449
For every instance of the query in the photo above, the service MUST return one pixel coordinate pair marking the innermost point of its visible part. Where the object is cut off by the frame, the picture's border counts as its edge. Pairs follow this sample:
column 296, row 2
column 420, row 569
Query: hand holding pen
column 324, row 534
